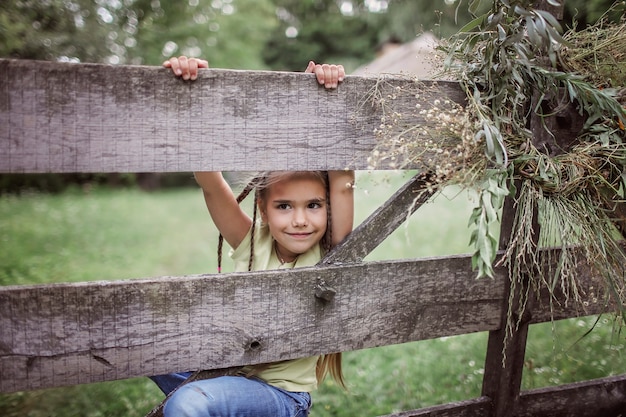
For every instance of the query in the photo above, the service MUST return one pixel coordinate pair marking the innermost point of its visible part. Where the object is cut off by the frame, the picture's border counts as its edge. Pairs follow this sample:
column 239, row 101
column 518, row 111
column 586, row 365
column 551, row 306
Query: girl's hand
column 327, row 75
column 184, row 67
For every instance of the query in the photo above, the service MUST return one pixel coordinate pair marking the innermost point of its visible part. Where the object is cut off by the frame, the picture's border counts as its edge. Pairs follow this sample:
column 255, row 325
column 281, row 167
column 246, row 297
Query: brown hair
column 260, row 183
column 330, row 364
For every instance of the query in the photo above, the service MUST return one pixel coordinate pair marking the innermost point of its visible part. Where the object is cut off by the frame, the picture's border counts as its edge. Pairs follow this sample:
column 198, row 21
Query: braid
column 330, row 363
column 254, row 211
column 220, row 240
column 327, row 240
column 220, row 244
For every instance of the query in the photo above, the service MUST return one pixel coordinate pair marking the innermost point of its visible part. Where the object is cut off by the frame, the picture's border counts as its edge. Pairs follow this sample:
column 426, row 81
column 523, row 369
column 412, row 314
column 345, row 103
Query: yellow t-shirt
column 297, row 375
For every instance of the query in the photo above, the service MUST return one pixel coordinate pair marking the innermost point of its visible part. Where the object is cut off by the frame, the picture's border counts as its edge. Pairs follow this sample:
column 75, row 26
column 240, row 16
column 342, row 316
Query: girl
column 302, row 215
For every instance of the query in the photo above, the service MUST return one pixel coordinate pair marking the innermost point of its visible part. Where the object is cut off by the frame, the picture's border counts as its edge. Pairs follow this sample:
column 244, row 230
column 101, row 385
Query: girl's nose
column 299, row 218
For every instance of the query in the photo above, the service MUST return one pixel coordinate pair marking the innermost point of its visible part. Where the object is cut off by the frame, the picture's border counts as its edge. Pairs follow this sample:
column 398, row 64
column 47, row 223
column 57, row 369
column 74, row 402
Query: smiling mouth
column 300, row 235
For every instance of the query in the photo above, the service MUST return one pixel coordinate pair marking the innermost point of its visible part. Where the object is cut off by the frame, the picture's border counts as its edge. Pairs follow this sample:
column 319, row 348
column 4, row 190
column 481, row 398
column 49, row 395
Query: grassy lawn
column 106, row 235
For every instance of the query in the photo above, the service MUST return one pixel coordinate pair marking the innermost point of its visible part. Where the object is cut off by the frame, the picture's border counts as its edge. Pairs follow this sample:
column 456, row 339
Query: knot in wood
column 254, row 345
column 324, row 292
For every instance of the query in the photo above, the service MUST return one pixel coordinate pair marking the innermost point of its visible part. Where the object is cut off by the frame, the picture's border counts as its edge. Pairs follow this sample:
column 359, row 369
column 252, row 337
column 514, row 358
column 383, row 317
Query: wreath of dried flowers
column 523, row 79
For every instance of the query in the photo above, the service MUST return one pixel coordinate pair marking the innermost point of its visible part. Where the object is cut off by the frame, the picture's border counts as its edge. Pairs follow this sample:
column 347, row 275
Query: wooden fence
column 57, row 117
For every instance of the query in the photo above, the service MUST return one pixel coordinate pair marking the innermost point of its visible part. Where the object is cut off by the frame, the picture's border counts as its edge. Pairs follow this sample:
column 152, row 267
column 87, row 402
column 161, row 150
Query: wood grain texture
column 477, row 407
column 59, row 117
column 75, row 333
column 506, row 346
column 604, row 397
column 64, row 334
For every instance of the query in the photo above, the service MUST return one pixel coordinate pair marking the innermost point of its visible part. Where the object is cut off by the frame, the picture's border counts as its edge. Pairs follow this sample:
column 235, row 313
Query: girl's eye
column 283, row 206
column 315, row 205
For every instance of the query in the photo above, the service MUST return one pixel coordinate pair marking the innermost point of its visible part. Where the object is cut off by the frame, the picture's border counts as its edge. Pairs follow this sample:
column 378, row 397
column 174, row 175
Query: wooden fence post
column 506, row 348
column 504, row 363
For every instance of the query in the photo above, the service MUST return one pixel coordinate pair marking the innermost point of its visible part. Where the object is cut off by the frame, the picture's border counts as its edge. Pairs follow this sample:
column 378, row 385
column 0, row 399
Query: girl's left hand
column 184, row 67
column 328, row 75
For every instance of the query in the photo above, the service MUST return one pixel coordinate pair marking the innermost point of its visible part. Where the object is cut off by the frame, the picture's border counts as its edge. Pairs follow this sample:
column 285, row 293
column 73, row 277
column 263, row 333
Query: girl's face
column 295, row 211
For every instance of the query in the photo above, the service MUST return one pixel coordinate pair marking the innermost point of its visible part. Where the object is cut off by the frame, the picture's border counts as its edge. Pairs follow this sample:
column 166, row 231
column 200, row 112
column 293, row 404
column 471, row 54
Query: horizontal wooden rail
column 63, row 334
column 59, row 117
column 604, row 397
column 478, row 407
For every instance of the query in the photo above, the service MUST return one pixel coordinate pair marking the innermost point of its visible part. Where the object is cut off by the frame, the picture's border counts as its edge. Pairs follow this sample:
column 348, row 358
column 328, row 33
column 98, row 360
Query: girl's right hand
column 184, row 67
column 328, row 75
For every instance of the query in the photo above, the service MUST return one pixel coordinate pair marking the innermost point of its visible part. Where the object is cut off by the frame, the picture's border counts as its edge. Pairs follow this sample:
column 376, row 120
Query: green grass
column 405, row 377
column 105, row 234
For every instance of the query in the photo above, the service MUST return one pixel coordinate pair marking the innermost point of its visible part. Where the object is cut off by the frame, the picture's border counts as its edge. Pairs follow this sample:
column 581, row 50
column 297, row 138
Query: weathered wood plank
column 62, row 334
column 59, row 117
column 605, row 397
column 478, row 407
column 75, row 333
column 506, row 347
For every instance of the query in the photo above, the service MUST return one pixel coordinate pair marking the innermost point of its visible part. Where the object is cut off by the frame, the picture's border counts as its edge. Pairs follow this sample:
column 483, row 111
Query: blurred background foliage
column 242, row 34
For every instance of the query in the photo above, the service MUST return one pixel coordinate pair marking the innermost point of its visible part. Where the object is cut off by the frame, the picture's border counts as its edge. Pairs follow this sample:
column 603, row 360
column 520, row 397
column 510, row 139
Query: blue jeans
column 169, row 382
column 231, row 396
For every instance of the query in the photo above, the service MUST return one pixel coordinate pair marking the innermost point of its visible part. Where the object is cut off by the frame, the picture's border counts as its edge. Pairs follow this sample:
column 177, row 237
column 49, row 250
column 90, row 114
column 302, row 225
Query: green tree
column 321, row 30
column 350, row 32
column 32, row 29
column 247, row 34
column 230, row 33
column 405, row 18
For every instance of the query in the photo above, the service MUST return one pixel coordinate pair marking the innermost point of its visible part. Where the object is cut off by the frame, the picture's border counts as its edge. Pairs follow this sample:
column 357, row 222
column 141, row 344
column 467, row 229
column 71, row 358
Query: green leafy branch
column 504, row 59
column 485, row 219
